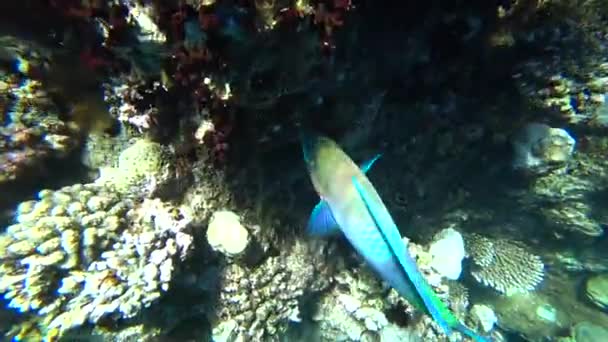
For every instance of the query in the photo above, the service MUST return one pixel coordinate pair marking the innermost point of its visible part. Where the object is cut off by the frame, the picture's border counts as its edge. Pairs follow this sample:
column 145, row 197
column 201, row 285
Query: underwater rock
column 589, row 332
column 574, row 92
column 503, row 265
column 596, row 290
column 567, row 202
column 539, row 148
column 484, row 317
column 226, row 234
column 225, row 331
column 447, row 252
column 582, row 260
column 529, row 314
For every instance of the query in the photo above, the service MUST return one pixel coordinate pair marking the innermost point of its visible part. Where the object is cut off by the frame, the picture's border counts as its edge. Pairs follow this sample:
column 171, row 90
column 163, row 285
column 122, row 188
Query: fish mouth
column 310, row 144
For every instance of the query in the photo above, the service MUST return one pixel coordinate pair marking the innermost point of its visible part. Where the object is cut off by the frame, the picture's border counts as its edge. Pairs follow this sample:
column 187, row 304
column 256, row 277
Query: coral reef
column 259, row 303
column 447, row 252
column 83, row 253
column 570, row 93
column 355, row 310
column 31, row 130
column 205, row 99
column 145, row 168
column 574, row 217
column 226, row 234
column 503, row 265
column 540, row 148
column 567, row 201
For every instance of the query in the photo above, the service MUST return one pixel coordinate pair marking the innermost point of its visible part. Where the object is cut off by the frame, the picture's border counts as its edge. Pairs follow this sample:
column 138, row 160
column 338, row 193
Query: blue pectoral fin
column 390, row 233
column 369, row 163
column 321, row 222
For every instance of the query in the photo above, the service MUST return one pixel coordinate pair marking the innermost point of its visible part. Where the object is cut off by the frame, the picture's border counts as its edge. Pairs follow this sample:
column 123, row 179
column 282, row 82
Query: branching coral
column 83, row 253
column 262, row 301
column 503, row 265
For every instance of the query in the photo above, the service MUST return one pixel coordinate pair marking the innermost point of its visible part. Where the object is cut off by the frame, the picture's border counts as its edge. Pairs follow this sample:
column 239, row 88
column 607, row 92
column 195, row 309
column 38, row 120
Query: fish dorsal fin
column 390, row 234
column 365, row 166
column 322, row 222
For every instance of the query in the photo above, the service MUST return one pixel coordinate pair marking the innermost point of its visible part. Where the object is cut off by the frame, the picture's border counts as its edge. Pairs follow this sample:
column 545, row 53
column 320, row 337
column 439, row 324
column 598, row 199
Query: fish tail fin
column 470, row 333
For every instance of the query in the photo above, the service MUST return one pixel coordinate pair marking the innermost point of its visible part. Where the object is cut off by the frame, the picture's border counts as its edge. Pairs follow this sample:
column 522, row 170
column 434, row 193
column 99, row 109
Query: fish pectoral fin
column 322, row 222
column 365, row 166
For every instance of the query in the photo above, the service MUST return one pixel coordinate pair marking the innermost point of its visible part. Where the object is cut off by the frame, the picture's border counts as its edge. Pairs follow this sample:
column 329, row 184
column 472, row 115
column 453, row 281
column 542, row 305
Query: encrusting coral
column 503, row 265
column 83, row 253
column 144, row 168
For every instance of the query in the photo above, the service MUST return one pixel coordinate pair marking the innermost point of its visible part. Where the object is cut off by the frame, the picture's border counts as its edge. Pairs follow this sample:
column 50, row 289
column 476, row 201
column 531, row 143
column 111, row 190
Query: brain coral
column 83, row 252
column 503, row 264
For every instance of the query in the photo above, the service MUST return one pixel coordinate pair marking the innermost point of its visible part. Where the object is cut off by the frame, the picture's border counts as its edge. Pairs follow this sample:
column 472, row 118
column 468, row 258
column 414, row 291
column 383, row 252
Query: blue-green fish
column 350, row 203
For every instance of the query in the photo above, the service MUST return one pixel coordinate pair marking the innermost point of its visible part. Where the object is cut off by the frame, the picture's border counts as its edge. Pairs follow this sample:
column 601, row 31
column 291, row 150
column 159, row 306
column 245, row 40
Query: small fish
column 350, row 204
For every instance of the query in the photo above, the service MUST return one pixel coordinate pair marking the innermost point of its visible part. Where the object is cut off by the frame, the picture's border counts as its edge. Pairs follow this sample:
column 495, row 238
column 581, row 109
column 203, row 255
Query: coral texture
column 540, row 148
column 503, row 265
column 31, row 129
column 145, row 168
column 83, row 253
column 263, row 300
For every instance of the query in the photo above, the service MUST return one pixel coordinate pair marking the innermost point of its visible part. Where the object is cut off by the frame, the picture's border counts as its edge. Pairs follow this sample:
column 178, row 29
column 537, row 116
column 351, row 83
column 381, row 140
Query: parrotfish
column 350, row 204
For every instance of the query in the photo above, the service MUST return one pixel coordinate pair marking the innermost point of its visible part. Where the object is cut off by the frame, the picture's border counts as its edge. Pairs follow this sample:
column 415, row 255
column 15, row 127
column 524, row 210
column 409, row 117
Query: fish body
column 351, row 205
